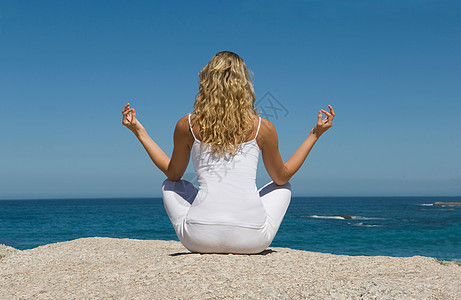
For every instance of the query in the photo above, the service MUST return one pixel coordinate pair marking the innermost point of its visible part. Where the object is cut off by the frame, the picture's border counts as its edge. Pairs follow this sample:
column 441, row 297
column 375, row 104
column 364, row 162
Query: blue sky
column 391, row 70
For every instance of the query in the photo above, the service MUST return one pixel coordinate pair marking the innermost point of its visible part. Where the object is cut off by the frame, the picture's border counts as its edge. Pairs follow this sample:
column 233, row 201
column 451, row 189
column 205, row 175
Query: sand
column 107, row 268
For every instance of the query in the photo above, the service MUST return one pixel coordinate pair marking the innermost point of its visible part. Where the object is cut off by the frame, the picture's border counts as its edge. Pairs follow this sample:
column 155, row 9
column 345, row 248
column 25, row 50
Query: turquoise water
column 392, row 226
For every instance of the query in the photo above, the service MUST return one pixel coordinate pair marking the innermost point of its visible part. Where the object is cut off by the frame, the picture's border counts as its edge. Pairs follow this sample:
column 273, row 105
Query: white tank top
column 227, row 186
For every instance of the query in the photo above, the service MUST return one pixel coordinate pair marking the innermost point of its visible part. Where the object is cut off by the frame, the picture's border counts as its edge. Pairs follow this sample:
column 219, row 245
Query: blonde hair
column 224, row 105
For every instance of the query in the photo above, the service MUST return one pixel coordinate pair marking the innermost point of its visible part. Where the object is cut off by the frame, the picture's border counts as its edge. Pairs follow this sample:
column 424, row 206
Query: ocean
column 391, row 226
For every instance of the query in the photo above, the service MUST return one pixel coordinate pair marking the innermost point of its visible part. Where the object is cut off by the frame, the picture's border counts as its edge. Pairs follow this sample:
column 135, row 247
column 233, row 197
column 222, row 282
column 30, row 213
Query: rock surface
column 7, row 251
column 106, row 268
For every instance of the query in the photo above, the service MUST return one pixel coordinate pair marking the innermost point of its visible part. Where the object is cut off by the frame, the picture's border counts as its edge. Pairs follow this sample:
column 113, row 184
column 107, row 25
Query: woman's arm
column 173, row 168
column 282, row 172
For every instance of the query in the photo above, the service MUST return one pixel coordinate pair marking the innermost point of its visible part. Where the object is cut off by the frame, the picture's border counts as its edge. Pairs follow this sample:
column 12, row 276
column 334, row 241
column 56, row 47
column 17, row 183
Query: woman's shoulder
column 182, row 126
column 266, row 126
column 182, row 122
column 266, row 133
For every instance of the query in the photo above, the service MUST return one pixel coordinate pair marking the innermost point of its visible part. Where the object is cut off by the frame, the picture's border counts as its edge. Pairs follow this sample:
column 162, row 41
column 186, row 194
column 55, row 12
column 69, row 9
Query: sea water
column 392, row 226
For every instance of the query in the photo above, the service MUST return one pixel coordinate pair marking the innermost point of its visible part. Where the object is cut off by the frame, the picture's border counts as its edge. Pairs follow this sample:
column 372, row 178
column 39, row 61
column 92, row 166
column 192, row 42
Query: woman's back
column 227, row 214
column 228, row 192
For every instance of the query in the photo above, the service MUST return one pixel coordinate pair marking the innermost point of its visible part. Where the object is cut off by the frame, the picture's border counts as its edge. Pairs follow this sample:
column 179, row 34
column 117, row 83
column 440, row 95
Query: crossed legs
column 179, row 195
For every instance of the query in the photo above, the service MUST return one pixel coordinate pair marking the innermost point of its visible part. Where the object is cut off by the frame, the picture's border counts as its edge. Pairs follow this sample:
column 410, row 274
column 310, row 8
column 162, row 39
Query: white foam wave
column 426, row 204
column 336, row 217
column 326, row 217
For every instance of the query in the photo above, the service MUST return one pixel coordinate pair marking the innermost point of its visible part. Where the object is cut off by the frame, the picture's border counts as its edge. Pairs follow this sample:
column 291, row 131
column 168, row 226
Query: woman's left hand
column 323, row 124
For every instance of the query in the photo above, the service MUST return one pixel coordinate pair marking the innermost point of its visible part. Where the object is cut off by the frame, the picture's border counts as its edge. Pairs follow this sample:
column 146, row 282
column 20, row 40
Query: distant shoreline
column 447, row 203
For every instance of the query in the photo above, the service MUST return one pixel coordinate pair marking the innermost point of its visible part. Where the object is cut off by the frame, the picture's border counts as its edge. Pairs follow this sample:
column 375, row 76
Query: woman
column 224, row 135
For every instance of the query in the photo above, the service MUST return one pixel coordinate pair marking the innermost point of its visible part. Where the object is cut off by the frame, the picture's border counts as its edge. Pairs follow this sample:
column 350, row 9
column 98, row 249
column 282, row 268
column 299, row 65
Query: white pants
column 206, row 238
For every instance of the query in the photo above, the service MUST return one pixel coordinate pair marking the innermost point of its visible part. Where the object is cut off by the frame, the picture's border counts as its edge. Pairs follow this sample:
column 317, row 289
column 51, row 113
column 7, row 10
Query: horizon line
column 159, row 197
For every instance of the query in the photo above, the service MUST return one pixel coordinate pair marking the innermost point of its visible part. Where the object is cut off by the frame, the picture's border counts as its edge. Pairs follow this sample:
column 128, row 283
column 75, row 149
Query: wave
column 426, row 204
column 365, row 225
column 338, row 217
column 325, row 217
column 366, row 218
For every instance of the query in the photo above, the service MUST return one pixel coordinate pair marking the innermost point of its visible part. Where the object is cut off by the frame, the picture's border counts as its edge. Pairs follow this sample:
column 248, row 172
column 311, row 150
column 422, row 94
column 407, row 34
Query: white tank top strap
column 259, row 125
column 190, row 127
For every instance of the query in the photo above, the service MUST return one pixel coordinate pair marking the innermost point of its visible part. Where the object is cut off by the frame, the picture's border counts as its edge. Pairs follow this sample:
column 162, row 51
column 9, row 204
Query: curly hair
column 224, row 105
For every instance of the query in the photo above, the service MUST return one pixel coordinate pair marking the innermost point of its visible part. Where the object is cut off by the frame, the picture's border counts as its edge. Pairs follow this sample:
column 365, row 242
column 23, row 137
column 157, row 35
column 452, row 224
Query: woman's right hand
column 129, row 118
